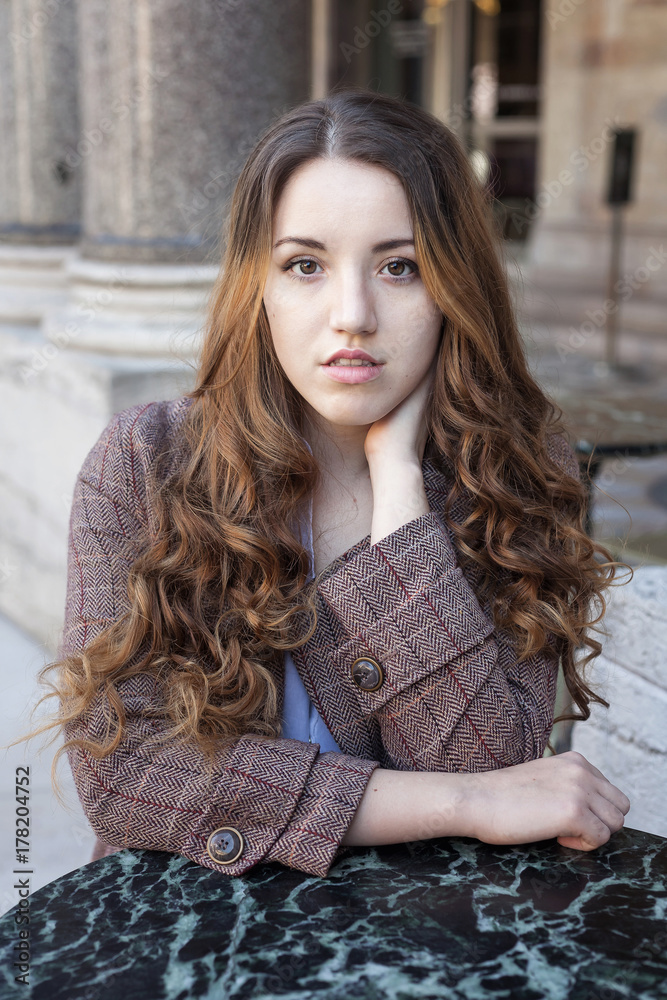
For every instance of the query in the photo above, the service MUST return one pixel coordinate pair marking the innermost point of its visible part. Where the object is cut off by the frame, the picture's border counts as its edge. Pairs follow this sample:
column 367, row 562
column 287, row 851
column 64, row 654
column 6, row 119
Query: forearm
column 401, row 806
column 563, row 796
column 398, row 497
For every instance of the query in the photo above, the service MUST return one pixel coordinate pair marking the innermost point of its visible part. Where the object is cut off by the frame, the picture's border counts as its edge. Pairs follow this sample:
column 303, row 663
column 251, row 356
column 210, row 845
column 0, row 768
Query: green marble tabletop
column 449, row 918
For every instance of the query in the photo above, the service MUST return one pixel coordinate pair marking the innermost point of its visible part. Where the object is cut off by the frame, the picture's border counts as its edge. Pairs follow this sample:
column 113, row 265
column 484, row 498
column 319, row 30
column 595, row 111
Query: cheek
column 275, row 302
column 288, row 321
column 278, row 315
column 416, row 342
column 432, row 331
column 290, row 347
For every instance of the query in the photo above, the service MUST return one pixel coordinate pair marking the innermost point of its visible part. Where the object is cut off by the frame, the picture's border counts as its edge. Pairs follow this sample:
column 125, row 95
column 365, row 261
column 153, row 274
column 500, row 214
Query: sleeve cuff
column 405, row 603
column 311, row 841
column 390, row 572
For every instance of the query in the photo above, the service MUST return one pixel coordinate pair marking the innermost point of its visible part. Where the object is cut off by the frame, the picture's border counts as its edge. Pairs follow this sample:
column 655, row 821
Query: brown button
column 367, row 674
column 225, row 845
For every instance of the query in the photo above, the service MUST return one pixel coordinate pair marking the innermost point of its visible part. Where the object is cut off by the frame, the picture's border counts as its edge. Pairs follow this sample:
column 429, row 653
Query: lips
column 352, row 374
column 348, row 355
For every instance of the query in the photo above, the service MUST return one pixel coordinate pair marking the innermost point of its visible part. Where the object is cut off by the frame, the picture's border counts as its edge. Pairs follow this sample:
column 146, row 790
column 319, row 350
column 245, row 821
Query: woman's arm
column 290, row 803
column 564, row 797
column 454, row 695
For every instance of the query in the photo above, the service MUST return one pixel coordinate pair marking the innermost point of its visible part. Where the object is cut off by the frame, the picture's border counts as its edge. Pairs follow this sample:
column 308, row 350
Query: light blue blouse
column 301, row 720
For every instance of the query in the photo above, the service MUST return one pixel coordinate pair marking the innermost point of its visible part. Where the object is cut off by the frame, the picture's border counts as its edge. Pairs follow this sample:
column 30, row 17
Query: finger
column 615, row 795
column 592, row 833
column 575, row 843
column 590, row 818
column 607, row 812
column 607, row 790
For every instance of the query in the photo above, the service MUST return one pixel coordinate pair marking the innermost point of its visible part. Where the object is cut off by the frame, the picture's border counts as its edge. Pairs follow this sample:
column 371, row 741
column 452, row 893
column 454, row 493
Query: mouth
column 352, row 371
column 352, row 363
column 345, row 356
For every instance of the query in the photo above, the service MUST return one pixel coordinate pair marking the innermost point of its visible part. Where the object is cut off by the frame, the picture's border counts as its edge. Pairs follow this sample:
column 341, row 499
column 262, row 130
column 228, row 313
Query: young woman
column 320, row 601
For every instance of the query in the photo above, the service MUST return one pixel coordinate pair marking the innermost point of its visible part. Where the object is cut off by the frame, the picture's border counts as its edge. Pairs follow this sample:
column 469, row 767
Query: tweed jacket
column 454, row 696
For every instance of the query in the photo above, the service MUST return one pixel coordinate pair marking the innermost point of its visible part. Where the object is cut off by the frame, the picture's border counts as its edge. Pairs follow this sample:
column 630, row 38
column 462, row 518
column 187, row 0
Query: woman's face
column 343, row 276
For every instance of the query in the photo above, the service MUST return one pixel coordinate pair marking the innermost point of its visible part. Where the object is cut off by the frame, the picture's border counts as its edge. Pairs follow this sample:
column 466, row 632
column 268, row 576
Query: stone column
column 173, row 94
column 40, row 196
column 40, row 203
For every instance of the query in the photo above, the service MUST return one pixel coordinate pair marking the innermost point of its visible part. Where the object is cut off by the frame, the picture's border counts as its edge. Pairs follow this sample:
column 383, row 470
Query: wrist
column 449, row 811
column 390, row 470
column 471, row 800
column 399, row 497
column 403, row 806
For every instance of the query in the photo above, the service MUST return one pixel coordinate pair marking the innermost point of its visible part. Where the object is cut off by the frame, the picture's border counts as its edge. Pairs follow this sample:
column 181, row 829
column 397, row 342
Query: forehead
column 339, row 193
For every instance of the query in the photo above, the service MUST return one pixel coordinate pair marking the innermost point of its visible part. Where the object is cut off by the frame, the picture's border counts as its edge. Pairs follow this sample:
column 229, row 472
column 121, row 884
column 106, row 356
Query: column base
column 149, row 310
column 32, row 281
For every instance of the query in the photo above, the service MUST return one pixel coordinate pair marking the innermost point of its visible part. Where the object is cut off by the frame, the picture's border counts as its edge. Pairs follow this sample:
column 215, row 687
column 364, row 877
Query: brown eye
column 397, row 267
column 307, row 266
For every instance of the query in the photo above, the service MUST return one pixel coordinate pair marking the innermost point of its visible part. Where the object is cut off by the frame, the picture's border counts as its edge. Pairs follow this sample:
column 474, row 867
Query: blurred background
column 123, row 128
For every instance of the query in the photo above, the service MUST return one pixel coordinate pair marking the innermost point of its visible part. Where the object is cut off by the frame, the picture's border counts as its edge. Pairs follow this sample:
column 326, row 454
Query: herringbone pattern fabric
column 454, row 697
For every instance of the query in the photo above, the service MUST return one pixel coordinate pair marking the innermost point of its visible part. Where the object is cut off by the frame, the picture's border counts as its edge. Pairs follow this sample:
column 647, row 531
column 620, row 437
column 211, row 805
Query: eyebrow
column 315, row 244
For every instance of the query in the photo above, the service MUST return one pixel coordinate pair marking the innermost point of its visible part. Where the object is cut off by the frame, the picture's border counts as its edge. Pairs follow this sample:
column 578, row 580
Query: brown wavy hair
column 221, row 588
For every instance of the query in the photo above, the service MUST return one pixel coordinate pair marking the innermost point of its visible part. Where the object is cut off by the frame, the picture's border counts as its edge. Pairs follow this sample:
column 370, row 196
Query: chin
column 355, row 418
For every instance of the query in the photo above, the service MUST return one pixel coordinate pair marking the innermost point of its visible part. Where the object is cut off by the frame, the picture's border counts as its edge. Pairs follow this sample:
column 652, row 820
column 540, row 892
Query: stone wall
column 628, row 741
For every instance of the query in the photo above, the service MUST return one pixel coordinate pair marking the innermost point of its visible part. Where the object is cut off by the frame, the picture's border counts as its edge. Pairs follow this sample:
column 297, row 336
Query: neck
column 338, row 450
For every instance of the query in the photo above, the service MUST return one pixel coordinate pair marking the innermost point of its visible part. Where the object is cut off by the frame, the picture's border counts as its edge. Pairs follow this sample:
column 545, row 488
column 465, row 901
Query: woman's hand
column 399, row 438
column 562, row 796
column 394, row 448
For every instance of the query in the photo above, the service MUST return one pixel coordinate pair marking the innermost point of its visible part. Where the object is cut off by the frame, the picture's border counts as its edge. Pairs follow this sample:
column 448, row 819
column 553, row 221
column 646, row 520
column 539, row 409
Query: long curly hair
column 220, row 589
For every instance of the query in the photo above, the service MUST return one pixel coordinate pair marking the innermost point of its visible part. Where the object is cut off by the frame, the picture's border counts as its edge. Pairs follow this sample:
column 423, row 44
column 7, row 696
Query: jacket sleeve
column 290, row 803
column 454, row 695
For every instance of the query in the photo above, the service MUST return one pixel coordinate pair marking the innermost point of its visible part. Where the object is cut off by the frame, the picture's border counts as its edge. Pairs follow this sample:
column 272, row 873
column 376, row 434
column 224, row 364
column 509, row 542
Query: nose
column 352, row 308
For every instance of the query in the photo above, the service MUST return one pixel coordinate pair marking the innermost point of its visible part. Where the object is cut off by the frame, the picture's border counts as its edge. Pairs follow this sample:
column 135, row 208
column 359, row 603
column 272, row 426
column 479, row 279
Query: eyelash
column 396, row 260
